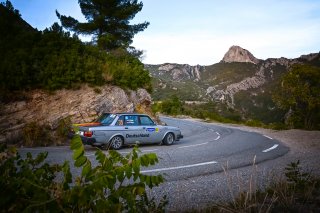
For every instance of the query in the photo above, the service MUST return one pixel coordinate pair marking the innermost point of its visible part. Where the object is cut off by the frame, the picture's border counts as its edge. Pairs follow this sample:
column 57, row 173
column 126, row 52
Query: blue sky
column 200, row 32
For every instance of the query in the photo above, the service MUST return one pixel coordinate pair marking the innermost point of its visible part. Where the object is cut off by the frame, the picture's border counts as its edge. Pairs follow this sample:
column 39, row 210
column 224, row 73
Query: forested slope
column 53, row 59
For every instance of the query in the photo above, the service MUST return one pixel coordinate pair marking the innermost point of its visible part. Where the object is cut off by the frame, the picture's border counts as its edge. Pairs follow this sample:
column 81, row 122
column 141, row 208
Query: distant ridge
column 238, row 54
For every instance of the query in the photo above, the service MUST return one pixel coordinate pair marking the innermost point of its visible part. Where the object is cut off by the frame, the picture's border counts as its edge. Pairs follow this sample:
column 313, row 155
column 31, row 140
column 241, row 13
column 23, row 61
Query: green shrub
column 14, row 137
column 97, row 90
column 35, row 134
column 277, row 126
column 172, row 106
column 64, row 127
column 254, row 123
column 127, row 71
column 52, row 59
column 114, row 185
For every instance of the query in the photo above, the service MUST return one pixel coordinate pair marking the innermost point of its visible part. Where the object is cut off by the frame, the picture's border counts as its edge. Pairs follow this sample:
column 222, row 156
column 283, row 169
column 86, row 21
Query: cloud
column 201, row 34
column 208, row 47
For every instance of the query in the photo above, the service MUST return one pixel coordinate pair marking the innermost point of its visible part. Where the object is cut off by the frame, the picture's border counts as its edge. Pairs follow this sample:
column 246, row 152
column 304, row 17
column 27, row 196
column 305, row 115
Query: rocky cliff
column 177, row 72
column 238, row 54
column 83, row 105
column 240, row 81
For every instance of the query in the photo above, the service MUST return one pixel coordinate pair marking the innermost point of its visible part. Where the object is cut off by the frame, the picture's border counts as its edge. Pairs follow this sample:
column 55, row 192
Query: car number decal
column 152, row 129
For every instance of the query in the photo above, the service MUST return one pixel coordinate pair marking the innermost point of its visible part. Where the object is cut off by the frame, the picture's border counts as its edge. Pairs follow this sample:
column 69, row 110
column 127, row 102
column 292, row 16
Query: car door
column 149, row 128
column 133, row 131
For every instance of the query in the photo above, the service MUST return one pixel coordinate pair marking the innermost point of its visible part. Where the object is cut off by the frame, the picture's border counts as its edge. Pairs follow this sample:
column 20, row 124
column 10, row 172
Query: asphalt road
column 205, row 151
column 207, row 148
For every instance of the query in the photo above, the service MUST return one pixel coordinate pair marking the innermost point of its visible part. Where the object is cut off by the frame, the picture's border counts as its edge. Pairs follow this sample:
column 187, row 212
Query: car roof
column 124, row 113
column 129, row 113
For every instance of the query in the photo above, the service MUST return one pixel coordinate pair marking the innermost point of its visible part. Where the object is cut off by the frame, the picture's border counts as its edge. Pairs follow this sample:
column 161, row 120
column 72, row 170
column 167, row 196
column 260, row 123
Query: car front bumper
column 179, row 137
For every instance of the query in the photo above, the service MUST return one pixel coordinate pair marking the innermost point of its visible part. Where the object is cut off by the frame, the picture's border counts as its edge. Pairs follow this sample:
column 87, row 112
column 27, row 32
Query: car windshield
column 106, row 119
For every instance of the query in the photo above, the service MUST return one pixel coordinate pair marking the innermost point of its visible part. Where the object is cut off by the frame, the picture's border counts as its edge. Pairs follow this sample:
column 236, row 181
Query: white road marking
column 149, row 150
column 45, row 148
column 179, row 167
column 268, row 137
column 146, row 150
column 124, row 152
column 88, row 155
column 271, row 148
column 212, row 130
column 200, row 144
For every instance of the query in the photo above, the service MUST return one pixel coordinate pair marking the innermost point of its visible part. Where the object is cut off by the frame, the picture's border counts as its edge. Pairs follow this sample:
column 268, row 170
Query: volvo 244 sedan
column 118, row 129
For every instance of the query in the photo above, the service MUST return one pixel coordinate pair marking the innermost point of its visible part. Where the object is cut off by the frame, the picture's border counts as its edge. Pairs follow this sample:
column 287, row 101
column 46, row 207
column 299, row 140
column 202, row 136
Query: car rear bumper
column 88, row 141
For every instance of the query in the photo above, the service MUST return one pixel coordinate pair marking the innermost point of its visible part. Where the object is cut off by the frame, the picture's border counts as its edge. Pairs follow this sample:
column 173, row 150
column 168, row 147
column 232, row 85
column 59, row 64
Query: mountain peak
column 238, row 54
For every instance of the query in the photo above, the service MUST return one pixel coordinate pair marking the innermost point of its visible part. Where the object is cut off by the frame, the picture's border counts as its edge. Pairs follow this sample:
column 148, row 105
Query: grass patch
column 298, row 192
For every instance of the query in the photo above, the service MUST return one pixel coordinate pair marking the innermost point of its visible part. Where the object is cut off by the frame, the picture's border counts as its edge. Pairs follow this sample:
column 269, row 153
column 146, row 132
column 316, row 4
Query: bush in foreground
column 115, row 184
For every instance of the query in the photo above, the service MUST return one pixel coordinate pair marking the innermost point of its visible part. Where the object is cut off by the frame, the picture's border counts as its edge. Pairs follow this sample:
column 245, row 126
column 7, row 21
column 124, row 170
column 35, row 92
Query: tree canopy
column 299, row 93
column 108, row 21
column 53, row 59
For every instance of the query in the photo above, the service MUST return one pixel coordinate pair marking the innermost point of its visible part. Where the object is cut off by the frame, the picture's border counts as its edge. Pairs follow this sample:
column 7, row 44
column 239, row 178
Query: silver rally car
column 116, row 130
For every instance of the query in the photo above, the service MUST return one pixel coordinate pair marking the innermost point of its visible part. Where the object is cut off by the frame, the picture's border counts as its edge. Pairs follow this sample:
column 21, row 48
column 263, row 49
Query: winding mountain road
column 205, row 147
column 203, row 150
column 193, row 167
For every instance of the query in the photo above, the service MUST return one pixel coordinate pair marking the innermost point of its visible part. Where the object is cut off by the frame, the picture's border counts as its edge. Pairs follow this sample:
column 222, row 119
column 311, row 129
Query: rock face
column 178, row 72
column 253, row 82
column 238, row 54
column 83, row 105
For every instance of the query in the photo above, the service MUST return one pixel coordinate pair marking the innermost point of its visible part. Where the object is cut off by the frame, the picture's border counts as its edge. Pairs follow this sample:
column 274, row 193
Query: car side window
column 120, row 121
column 131, row 120
column 145, row 120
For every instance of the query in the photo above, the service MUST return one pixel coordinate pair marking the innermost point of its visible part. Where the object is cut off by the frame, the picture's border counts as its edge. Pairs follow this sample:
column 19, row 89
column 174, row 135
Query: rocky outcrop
column 310, row 57
column 180, row 72
column 83, row 105
column 238, row 54
column 253, row 82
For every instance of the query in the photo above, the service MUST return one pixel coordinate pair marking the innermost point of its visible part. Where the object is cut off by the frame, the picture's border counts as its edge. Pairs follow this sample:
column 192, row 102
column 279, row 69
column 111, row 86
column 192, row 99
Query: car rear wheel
column 116, row 142
column 168, row 139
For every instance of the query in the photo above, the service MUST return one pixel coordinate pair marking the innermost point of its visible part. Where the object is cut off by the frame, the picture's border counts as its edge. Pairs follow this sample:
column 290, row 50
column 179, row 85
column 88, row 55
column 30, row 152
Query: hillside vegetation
column 243, row 92
column 54, row 59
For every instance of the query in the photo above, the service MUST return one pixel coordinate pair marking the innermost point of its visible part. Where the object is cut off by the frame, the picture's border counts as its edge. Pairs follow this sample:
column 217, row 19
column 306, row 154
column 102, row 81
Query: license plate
column 79, row 133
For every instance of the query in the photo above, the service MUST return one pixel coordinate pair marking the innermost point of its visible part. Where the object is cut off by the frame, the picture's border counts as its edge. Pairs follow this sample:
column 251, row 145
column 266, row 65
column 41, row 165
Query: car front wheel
column 116, row 142
column 168, row 139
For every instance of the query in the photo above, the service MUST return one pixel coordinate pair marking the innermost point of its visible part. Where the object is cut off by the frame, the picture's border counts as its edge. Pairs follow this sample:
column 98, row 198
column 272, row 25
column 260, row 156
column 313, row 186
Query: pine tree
column 299, row 92
column 108, row 22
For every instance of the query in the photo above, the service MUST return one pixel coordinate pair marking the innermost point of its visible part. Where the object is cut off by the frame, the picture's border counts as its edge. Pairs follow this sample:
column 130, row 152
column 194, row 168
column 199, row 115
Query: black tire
column 169, row 139
column 116, row 142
